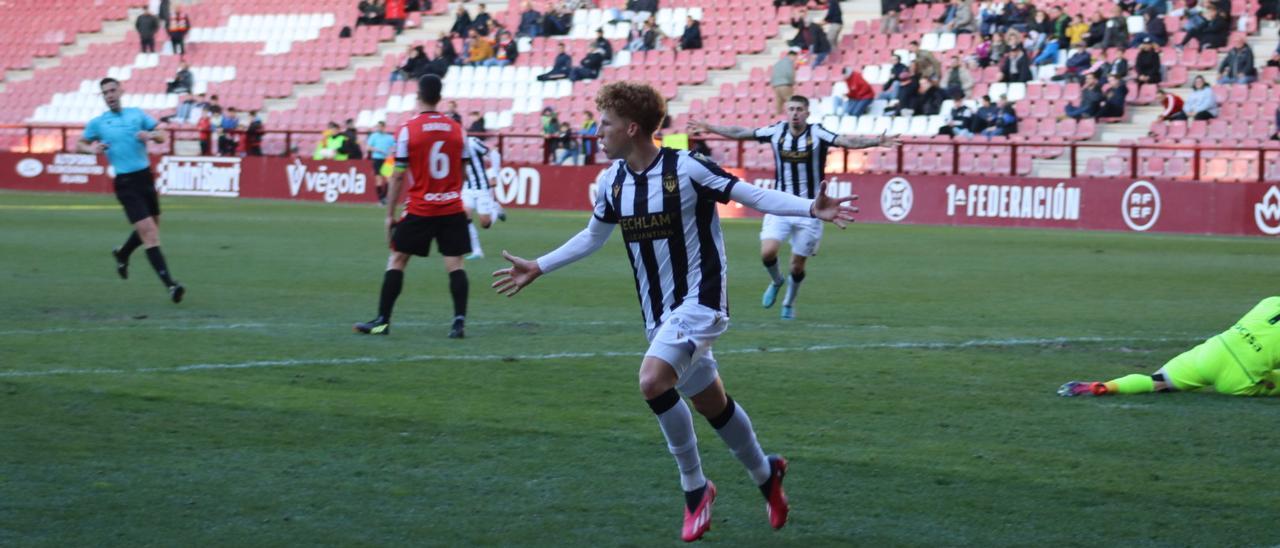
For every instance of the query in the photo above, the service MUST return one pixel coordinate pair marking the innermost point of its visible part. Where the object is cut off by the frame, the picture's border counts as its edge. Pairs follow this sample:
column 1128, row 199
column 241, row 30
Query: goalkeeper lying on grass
column 1241, row 361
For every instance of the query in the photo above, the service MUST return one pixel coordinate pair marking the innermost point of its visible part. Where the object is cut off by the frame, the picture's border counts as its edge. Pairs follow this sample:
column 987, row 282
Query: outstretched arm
column 832, row 210
column 524, row 271
column 852, row 141
column 733, row 132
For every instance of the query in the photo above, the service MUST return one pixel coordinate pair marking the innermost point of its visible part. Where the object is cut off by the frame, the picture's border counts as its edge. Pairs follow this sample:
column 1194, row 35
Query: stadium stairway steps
column 429, row 30
column 856, row 10
column 112, row 31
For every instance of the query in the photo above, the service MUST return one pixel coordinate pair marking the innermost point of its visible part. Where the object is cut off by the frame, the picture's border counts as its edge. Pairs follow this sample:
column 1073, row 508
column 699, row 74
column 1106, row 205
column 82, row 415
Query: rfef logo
column 1140, row 206
column 896, row 198
column 330, row 185
column 1267, row 212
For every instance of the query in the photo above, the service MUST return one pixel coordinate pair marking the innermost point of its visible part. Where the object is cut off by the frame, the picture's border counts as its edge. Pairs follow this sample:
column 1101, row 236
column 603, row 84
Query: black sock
column 382, row 192
column 157, row 262
column 392, row 281
column 458, row 288
column 692, row 498
column 770, row 262
column 130, row 245
column 797, row 277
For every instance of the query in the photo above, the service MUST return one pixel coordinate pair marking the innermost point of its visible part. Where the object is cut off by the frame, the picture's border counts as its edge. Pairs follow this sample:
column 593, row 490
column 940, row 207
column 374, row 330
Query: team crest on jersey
column 617, row 190
column 669, row 183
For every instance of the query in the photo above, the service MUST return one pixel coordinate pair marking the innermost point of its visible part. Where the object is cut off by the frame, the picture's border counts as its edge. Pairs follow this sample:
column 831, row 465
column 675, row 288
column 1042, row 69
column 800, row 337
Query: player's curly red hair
column 635, row 101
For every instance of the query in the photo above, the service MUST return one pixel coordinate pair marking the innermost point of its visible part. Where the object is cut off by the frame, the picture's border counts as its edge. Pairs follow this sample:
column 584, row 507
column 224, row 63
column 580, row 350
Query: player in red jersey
column 431, row 148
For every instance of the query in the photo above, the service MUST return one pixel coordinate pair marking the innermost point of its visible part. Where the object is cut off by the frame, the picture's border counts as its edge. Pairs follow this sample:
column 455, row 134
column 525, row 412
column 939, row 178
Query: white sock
column 793, row 290
column 738, row 434
column 677, row 427
column 475, row 238
column 772, row 269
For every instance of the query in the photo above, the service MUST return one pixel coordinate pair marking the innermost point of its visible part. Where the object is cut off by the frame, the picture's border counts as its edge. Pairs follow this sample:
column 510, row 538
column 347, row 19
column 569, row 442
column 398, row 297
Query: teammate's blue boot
column 788, row 312
column 770, row 295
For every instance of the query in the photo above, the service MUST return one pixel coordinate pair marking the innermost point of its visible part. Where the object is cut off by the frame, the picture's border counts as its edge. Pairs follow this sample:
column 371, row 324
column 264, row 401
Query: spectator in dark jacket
column 477, row 123
column 820, row 48
column 928, row 99
column 1016, row 66
column 589, row 68
column 1213, row 32
column 183, row 81
column 147, row 26
column 1097, row 29
column 1114, row 65
column 1115, row 92
column 530, row 22
column 1237, row 66
column 1006, row 120
column 692, row 37
column 461, row 22
column 1148, row 66
column 414, row 66
column 563, row 66
column 482, row 21
column 985, row 116
column 1091, row 98
column 1155, row 30
column 603, row 45
column 1115, row 32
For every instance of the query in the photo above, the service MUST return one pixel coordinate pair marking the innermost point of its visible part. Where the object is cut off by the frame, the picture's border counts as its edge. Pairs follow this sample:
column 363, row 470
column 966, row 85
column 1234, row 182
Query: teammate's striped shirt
column 477, row 179
column 799, row 160
column 671, row 229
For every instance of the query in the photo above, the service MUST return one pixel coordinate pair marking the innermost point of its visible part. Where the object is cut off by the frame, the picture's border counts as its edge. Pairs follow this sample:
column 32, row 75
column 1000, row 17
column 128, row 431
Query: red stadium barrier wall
column 1251, row 209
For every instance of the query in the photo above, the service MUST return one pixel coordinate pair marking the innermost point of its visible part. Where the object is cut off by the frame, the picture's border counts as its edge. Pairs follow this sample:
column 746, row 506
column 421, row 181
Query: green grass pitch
column 914, row 395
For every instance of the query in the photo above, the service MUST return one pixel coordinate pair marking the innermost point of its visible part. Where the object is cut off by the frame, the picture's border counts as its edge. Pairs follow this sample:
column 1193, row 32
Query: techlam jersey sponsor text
column 1058, row 202
column 329, row 184
column 199, row 176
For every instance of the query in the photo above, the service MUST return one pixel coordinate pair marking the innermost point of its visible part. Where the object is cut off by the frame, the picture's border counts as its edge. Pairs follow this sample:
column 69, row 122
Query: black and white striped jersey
column 799, row 159
column 670, row 228
column 477, row 179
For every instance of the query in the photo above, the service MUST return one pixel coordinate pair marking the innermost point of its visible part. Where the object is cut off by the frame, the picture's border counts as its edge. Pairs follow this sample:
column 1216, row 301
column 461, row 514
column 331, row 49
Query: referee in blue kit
column 122, row 133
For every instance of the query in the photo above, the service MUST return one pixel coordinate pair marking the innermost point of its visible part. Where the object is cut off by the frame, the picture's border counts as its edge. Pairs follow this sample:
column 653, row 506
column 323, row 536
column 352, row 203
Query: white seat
column 831, row 122
column 946, row 41
column 839, row 89
column 1016, row 91
column 505, row 119
column 929, row 42
column 882, row 125
column 935, row 123
column 997, row 89
column 919, row 126
column 849, row 125
column 1136, row 24
column 900, row 125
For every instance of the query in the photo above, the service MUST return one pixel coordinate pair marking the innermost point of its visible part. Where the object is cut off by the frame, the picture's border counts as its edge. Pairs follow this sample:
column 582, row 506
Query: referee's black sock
column 157, row 262
column 458, row 289
column 130, row 245
column 392, row 281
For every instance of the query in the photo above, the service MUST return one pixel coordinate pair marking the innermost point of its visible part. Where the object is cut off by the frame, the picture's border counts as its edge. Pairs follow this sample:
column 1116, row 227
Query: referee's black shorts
column 136, row 191
column 413, row 235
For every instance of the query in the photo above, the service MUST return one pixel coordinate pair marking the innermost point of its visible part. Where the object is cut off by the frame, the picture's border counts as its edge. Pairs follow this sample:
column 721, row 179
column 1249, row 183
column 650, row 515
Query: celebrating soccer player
column 800, row 159
column 665, row 201
column 477, row 196
column 432, row 147
column 123, row 134
column 1241, row 361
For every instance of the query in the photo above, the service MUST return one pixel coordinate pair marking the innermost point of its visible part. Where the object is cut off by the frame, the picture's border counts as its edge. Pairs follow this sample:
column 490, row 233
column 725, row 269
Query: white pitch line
column 257, row 364
column 248, row 326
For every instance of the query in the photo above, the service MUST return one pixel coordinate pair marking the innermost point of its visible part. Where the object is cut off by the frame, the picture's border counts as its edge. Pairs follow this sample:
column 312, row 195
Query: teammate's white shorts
column 804, row 233
column 479, row 201
column 684, row 340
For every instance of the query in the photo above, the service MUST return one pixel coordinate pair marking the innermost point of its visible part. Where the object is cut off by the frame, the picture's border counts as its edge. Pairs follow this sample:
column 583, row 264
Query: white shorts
column 479, row 201
column 684, row 340
column 803, row 233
